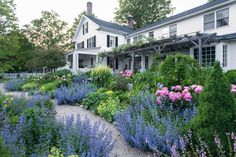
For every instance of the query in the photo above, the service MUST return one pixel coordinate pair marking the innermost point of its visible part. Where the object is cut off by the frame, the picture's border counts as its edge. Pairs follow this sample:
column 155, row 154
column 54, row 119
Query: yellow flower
column 109, row 92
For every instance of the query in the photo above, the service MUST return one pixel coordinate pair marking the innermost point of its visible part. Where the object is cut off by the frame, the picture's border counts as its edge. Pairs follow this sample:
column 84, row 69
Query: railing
column 16, row 75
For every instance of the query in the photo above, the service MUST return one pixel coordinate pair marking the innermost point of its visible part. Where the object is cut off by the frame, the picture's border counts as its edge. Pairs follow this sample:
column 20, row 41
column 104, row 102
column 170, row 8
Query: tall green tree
column 216, row 110
column 48, row 32
column 143, row 12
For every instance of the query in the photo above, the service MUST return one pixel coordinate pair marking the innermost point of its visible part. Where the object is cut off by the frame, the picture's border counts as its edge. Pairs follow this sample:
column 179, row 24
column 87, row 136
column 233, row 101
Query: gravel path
column 121, row 149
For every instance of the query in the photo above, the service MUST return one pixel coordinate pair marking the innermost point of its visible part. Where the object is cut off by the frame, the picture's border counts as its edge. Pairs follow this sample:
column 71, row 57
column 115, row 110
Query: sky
column 27, row 10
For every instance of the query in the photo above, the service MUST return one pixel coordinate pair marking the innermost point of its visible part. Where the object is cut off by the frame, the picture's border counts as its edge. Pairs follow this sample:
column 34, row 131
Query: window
column 151, row 34
column 135, row 39
column 208, row 56
column 137, row 63
column 225, row 51
column 146, row 62
column 173, row 30
column 222, row 18
column 80, row 45
column 91, row 42
column 85, row 28
column 110, row 62
column 138, row 38
column 128, row 41
column 209, row 21
column 70, row 60
column 112, row 41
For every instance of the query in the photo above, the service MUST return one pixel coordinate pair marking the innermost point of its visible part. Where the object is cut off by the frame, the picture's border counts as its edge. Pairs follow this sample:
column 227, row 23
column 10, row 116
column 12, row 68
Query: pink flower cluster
column 233, row 89
column 178, row 93
column 126, row 73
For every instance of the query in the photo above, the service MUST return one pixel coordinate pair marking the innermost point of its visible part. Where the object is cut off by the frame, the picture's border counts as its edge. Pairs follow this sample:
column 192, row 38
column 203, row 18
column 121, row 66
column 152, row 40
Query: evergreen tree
column 216, row 110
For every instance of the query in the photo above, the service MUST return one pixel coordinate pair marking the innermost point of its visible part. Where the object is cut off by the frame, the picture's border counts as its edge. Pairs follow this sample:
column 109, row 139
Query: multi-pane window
column 209, row 21
column 85, row 28
column 128, row 41
column 225, row 51
column 112, row 41
column 222, row 18
column 208, row 56
column 135, row 39
column 151, row 34
column 137, row 63
column 173, row 30
column 146, row 62
column 80, row 45
column 91, row 42
column 138, row 38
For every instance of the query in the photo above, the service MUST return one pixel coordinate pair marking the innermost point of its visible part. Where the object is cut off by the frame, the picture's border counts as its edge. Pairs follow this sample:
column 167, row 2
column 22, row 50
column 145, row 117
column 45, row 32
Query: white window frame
column 214, row 21
column 222, row 18
column 173, row 33
column 112, row 41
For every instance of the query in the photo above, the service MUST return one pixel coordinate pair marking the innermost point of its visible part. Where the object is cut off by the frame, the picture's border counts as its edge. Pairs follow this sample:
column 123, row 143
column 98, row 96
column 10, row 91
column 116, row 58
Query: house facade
column 207, row 33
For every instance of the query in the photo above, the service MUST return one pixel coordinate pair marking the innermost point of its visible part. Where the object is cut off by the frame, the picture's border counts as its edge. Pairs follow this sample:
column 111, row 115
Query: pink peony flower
column 233, row 89
column 198, row 89
column 159, row 100
column 175, row 96
column 177, row 88
column 193, row 86
column 187, row 96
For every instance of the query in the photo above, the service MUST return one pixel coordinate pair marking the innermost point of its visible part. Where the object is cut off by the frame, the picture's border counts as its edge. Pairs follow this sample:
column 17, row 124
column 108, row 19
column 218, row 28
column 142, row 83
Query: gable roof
column 110, row 25
column 184, row 14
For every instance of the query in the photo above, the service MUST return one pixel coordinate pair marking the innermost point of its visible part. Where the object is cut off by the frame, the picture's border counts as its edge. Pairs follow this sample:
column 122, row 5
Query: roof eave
column 112, row 30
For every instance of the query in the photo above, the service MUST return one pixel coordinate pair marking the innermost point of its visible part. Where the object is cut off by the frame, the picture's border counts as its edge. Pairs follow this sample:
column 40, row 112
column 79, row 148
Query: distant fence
column 22, row 75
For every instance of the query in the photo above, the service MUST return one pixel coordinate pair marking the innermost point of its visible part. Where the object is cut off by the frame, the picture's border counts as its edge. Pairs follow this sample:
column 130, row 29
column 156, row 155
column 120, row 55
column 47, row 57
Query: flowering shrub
column 119, row 83
column 203, row 150
column 150, row 127
column 29, row 86
column 126, row 73
column 177, row 94
column 49, row 87
column 14, row 85
column 83, row 139
column 73, row 94
column 38, row 131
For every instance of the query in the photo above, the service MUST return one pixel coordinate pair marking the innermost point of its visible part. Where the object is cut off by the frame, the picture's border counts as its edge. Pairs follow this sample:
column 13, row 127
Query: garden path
column 121, row 149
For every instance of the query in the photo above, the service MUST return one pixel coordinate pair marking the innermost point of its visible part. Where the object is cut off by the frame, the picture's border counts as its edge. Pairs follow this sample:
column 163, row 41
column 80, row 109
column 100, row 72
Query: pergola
column 161, row 47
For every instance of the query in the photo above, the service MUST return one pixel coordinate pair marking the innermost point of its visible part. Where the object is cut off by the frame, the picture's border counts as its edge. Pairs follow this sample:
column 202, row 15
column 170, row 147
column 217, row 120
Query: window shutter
column 108, row 40
column 83, row 29
column 116, row 41
column 87, row 27
column 87, row 43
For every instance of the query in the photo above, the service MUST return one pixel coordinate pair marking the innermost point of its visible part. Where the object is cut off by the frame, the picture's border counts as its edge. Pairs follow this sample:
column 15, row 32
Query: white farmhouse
column 207, row 33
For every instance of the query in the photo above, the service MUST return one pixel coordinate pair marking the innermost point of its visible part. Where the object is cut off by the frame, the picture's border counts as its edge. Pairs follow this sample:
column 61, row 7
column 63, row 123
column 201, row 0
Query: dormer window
column 85, row 28
column 222, row 18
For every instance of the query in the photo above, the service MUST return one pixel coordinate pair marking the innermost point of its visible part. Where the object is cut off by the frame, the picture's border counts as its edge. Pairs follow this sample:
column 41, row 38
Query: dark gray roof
column 110, row 25
column 226, row 37
column 185, row 13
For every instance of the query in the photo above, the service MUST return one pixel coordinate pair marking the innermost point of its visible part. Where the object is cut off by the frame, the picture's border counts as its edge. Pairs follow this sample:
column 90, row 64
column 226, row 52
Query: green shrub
column 49, row 87
column 93, row 100
column 29, row 86
column 119, row 83
column 231, row 76
column 3, row 151
column 180, row 70
column 108, row 108
column 146, row 81
column 101, row 76
column 216, row 110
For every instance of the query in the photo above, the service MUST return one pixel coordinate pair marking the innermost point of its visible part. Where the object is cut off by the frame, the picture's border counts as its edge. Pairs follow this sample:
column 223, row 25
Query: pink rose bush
column 233, row 89
column 177, row 94
column 126, row 73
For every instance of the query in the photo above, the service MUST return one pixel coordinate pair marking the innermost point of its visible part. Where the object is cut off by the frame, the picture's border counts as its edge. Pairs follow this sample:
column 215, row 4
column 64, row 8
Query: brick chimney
column 89, row 8
column 130, row 21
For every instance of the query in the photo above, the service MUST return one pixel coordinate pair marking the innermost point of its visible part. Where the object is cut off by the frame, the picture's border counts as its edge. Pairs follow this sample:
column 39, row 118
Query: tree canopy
column 48, row 32
column 143, row 12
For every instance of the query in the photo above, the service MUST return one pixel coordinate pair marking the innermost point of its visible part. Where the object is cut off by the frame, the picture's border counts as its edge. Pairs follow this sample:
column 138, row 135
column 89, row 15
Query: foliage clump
column 231, row 76
column 101, row 76
column 180, row 70
column 216, row 110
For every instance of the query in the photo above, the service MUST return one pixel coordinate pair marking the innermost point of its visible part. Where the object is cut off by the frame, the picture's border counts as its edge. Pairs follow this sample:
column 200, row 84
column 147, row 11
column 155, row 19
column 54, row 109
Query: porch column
column 132, row 61
column 74, row 68
column 142, row 63
column 200, row 51
column 97, row 60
